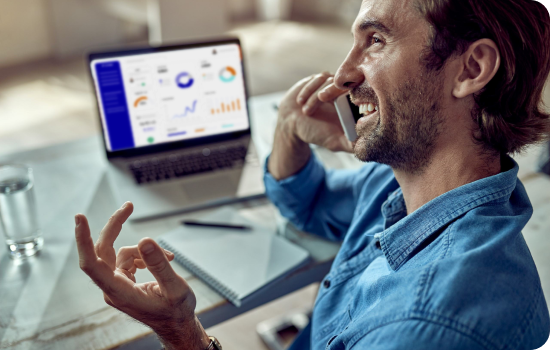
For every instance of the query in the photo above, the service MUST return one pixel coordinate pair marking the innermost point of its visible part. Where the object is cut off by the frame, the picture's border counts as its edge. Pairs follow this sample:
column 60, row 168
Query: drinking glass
column 18, row 216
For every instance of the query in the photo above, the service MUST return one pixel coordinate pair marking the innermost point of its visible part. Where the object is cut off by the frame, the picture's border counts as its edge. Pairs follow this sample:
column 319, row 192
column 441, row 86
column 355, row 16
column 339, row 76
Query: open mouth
column 367, row 108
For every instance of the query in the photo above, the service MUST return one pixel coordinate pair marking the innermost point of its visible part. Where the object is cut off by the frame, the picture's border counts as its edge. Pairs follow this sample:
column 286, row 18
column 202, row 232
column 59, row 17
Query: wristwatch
column 214, row 344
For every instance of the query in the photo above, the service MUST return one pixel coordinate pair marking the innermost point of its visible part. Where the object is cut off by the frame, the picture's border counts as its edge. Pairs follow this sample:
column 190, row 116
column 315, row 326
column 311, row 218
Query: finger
column 128, row 256
column 311, row 87
column 140, row 264
column 84, row 242
column 157, row 263
column 131, row 253
column 97, row 270
column 296, row 88
column 330, row 93
column 111, row 230
column 313, row 102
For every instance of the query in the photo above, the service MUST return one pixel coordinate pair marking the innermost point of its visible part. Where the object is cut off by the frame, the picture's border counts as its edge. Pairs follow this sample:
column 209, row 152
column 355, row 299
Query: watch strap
column 214, row 344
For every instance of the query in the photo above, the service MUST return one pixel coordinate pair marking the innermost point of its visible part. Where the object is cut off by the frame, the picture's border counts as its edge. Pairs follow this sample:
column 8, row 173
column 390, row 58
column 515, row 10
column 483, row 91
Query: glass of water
column 18, row 216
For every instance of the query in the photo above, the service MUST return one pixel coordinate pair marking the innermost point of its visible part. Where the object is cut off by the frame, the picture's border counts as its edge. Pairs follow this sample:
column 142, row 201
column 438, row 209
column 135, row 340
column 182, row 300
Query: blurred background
column 45, row 92
column 46, row 95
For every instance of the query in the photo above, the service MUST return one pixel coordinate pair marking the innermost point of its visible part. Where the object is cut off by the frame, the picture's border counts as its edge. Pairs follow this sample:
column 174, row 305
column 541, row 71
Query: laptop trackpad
column 212, row 188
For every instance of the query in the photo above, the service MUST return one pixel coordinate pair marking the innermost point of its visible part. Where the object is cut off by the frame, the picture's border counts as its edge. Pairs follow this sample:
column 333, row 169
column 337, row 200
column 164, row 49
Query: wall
column 341, row 11
column 80, row 26
column 241, row 9
column 24, row 31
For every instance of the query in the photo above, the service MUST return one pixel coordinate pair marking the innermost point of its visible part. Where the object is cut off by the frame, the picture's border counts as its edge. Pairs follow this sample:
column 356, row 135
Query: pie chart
column 184, row 80
column 228, row 74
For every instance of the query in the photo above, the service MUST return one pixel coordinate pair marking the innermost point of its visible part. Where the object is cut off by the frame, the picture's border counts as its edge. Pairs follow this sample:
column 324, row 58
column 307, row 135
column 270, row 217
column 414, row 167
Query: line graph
column 188, row 110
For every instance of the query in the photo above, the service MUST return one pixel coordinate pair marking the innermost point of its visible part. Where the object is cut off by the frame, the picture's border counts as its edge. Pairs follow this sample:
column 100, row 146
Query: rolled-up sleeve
column 316, row 200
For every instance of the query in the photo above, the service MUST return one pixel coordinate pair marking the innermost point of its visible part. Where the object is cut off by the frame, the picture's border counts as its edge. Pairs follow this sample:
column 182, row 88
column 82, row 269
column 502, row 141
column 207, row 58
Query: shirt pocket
column 332, row 329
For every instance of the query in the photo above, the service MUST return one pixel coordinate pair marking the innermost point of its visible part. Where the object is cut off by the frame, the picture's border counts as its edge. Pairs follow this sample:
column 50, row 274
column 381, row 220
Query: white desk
column 48, row 303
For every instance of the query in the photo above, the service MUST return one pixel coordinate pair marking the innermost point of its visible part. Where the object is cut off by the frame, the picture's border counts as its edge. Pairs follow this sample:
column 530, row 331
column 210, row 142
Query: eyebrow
column 371, row 23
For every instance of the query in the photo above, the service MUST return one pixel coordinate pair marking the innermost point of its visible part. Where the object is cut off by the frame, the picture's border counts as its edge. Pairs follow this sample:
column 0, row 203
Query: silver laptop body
column 176, row 126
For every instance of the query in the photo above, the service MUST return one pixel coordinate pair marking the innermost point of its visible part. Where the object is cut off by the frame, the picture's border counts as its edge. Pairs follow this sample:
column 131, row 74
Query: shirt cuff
column 295, row 194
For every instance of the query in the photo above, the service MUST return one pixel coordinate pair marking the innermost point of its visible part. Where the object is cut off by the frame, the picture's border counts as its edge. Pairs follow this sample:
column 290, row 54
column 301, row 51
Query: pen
column 215, row 225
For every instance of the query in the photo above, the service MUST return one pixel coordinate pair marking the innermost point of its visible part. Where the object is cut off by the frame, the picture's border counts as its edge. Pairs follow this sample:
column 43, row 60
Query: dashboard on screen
column 167, row 96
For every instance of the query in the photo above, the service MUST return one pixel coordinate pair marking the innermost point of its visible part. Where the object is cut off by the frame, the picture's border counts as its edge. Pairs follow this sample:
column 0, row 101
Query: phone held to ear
column 348, row 114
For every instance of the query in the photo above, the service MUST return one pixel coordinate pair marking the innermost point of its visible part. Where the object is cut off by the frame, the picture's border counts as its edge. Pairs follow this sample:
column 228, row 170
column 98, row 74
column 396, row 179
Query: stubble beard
column 412, row 121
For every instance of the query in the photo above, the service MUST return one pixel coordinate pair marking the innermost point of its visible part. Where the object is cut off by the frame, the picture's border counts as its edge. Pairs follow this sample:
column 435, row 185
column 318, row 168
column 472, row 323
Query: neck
column 449, row 168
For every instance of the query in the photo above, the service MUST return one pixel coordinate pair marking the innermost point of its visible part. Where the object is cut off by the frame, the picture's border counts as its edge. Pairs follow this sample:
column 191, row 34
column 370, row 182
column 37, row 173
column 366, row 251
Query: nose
column 349, row 75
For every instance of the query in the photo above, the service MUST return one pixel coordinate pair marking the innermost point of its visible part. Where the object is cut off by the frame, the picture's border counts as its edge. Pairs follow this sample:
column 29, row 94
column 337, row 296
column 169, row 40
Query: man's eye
column 374, row 40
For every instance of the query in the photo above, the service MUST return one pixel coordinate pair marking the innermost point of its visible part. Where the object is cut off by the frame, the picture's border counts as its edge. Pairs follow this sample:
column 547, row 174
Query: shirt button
column 326, row 283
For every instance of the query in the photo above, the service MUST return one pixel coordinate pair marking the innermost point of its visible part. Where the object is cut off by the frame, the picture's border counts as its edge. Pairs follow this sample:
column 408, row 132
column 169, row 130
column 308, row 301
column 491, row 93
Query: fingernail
column 300, row 100
column 77, row 220
column 124, row 205
column 147, row 248
column 306, row 109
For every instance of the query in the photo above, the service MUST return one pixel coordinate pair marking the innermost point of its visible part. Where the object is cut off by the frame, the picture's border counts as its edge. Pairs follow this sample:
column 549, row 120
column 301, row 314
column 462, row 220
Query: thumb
column 347, row 145
column 157, row 263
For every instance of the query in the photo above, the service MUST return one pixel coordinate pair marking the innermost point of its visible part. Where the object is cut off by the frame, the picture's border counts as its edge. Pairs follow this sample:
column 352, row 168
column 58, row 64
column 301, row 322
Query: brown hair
column 509, row 111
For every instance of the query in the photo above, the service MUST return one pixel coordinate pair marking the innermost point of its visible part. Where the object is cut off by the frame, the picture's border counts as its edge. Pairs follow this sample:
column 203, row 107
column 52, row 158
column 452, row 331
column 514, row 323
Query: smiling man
column 432, row 252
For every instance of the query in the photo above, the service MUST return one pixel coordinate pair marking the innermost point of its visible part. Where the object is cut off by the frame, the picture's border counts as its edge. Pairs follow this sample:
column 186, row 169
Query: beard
column 406, row 139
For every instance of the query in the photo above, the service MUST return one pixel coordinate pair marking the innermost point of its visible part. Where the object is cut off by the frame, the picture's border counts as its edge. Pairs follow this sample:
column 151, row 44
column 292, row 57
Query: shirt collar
column 404, row 234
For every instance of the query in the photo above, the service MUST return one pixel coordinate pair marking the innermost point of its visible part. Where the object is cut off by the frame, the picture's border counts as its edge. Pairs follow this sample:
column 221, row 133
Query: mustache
column 363, row 92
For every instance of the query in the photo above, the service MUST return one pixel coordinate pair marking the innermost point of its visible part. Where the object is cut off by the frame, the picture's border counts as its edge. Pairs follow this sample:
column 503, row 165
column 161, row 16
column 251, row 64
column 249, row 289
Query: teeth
column 367, row 108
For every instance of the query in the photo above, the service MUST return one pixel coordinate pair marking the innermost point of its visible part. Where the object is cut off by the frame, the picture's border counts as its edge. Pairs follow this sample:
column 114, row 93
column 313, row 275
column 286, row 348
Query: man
column 432, row 254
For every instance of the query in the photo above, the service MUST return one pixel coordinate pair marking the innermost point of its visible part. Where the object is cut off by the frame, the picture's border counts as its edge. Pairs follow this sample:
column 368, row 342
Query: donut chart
column 184, row 80
column 228, row 74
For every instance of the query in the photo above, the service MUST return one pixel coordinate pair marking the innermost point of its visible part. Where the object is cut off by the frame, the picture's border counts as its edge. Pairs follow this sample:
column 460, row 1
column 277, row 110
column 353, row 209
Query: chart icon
column 140, row 102
column 184, row 80
column 226, row 107
column 187, row 110
column 228, row 74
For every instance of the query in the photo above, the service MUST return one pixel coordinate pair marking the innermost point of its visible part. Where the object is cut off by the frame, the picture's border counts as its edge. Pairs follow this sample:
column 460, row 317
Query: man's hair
column 509, row 110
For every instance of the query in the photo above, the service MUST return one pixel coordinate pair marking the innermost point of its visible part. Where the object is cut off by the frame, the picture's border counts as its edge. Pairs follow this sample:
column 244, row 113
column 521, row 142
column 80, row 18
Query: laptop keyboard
column 175, row 166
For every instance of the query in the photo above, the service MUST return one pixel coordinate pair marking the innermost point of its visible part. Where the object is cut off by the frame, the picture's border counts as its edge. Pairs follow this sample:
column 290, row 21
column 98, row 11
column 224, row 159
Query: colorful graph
column 232, row 106
column 187, row 110
column 140, row 101
column 184, row 80
column 228, row 74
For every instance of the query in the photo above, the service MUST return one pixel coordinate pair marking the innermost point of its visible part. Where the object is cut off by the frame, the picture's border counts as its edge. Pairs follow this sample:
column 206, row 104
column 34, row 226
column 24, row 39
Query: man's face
column 399, row 98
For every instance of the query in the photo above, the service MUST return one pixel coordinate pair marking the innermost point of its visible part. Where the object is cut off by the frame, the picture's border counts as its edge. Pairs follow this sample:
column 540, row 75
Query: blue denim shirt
column 454, row 274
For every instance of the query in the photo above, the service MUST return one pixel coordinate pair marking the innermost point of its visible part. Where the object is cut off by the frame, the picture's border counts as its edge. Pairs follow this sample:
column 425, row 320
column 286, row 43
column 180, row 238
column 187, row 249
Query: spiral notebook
column 235, row 263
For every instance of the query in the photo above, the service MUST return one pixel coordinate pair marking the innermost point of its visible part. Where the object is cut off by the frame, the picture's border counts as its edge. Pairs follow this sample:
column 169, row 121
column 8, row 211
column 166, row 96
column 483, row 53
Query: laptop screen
column 165, row 96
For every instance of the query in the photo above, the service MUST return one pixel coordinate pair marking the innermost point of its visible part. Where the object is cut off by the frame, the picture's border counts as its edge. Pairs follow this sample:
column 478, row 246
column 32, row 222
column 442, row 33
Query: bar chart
column 224, row 107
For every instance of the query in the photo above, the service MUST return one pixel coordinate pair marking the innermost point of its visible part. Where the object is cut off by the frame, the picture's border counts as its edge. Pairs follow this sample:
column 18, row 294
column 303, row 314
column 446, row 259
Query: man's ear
column 478, row 65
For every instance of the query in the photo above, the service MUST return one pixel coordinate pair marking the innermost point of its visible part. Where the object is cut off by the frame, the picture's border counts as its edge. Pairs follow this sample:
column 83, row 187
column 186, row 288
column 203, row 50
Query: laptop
column 176, row 126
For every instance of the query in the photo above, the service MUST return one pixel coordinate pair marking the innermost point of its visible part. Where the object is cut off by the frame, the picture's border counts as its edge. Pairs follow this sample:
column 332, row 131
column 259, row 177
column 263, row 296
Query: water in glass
column 18, row 213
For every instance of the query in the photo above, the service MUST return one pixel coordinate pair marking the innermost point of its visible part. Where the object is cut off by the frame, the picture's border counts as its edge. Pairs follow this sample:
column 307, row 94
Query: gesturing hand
column 167, row 305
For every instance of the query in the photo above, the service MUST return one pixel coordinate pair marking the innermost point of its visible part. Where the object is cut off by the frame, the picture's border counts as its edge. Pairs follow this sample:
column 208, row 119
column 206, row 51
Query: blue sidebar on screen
column 115, row 106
